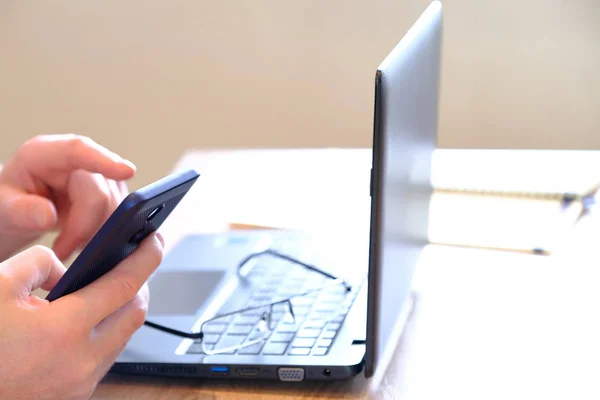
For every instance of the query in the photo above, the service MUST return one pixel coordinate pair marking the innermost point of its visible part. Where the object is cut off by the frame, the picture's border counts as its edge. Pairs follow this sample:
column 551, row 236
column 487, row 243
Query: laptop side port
column 247, row 371
column 219, row 371
column 288, row 374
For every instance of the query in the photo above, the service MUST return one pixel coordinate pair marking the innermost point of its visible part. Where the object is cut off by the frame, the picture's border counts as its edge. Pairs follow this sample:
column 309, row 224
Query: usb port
column 250, row 371
column 219, row 370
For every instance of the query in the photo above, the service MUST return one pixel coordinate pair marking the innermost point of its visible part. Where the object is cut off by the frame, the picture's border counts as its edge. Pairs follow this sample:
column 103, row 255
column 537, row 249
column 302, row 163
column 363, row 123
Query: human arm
column 61, row 350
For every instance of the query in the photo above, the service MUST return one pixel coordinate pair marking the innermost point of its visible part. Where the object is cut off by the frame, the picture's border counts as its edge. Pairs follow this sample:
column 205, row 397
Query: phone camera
column 154, row 212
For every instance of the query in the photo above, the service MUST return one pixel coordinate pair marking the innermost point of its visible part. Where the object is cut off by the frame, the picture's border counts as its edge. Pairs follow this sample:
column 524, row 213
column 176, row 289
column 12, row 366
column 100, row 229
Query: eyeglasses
column 254, row 324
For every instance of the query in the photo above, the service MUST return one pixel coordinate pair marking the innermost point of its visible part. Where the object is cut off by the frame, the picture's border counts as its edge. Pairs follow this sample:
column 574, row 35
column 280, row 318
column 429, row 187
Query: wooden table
column 486, row 325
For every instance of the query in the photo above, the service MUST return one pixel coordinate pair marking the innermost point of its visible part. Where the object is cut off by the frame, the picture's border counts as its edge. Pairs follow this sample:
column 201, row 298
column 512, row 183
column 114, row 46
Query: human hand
column 61, row 350
column 63, row 182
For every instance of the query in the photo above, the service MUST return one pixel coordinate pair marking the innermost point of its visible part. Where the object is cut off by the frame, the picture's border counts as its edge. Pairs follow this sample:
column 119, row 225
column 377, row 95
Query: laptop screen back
column 404, row 138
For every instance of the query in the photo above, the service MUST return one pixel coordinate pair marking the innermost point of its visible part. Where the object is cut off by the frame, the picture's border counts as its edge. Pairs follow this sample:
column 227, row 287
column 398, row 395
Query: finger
column 90, row 199
column 113, row 290
column 107, row 364
column 116, row 194
column 116, row 329
column 47, row 154
column 102, row 368
column 22, row 211
column 124, row 188
column 34, row 268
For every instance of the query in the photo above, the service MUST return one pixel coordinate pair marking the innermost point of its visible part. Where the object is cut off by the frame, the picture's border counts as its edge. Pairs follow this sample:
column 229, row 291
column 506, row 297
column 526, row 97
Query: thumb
column 25, row 211
column 34, row 268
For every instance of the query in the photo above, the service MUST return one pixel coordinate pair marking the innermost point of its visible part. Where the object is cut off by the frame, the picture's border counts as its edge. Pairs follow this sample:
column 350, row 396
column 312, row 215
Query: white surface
column 325, row 187
column 493, row 325
column 543, row 171
column 285, row 188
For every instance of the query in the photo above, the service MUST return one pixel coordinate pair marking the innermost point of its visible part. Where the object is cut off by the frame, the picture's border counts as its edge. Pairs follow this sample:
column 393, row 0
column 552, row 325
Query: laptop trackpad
column 183, row 292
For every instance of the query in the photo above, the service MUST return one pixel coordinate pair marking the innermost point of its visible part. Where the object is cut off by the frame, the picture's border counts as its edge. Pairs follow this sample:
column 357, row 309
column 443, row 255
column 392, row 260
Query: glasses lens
column 328, row 306
column 244, row 332
column 247, row 331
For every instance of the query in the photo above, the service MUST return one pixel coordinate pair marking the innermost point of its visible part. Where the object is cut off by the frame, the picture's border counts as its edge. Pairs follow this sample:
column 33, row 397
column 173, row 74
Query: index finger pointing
column 70, row 152
column 113, row 290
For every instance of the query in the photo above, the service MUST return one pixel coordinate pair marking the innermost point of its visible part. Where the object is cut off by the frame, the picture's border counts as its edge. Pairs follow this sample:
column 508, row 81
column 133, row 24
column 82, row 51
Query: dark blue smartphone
column 139, row 214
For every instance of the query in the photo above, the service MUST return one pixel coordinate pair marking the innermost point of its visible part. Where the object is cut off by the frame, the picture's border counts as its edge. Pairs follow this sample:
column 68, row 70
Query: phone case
column 139, row 214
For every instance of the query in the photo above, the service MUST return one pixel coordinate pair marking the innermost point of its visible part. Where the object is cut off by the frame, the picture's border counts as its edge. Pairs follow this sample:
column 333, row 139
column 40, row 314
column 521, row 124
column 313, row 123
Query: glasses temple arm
column 175, row 332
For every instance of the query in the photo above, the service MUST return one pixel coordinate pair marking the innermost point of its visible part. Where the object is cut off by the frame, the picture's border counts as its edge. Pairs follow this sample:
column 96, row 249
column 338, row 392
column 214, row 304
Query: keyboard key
column 257, row 303
column 239, row 330
column 332, row 298
column 263, row 289
column 324, row 342
column 320, row 316
column 312, row 295
column 309, row 333
column 303, row 342
column 302, row 301
column 214, row 328
column 257, row 312
column 196, row 348
column 299, row 351
column 319, row 351
column 281, row 307
column 278, row 316
column 282, row 337
column 252, row 349
column 241, row 319
column 294, row 282
column 210, row 338
column 328, row 334
column 338, row 289
column 296, row 276
column 326, row 308
column 223, row 320
column 286, row 292
column 338, row 318
column 301, row 310
column 229, row 341
column 275, row 349
column 333, row 326
column 344, row 308
column 262, row 298
column 258, row 334
column 288, row 328
column 314, row 324
column 288, row 319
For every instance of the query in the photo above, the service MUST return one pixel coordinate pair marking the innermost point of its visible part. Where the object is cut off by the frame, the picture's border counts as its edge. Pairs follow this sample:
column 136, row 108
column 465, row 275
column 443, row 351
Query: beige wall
column 152, row 78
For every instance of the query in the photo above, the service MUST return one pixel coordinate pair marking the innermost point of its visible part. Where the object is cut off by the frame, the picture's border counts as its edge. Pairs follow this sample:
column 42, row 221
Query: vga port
column 290, row 374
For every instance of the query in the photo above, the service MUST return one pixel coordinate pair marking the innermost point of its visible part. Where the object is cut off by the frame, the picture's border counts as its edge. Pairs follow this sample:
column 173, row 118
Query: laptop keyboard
column 318, row 316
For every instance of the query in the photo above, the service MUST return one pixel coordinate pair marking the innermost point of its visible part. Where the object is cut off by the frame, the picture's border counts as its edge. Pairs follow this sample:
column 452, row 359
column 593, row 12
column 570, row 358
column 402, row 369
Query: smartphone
column 139, row 214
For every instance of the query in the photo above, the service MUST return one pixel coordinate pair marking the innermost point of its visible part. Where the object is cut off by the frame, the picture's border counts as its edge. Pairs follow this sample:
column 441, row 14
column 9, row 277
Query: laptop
column 289, row 305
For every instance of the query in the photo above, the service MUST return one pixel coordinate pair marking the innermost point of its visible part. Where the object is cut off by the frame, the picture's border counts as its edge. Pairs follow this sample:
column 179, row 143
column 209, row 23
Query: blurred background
column 150, row 79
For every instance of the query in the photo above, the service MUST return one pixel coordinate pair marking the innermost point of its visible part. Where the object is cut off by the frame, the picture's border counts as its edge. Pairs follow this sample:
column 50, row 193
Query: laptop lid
column 404, row 139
